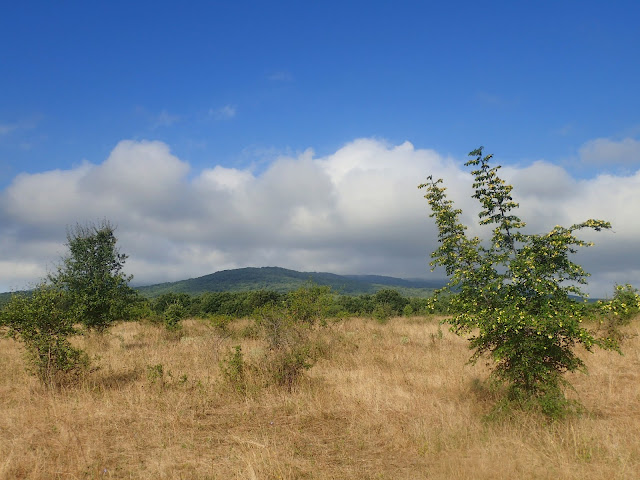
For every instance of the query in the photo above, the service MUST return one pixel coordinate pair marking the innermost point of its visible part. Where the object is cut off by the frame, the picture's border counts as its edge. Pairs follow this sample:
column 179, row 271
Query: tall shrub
column 513, row 292
column 42, row 323
column 91, row 275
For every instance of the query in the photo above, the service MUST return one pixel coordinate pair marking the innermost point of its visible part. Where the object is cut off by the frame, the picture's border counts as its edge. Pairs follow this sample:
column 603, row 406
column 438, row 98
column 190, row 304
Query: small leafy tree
column 92, row 276
column 173, row 315
column 625, row 304
column 287, row 328
column 310, row 303
column 620, row 310
column 42, row 323
column 513, row 293
column 391, row 300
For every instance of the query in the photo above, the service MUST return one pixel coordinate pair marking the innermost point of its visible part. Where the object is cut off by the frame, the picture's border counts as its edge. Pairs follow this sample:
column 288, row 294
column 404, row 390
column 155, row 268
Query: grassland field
column 385, row 401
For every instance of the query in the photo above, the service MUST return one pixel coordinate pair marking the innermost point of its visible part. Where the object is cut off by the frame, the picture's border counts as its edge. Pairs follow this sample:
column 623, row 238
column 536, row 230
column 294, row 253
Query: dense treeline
column 385, row 303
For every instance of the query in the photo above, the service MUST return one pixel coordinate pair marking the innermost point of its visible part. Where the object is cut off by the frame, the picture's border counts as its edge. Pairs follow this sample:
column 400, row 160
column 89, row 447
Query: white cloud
column 164, row 119
column 354, row 211
column 27, row 123
column 604, row 151
column 223, row 113
column 221, row 178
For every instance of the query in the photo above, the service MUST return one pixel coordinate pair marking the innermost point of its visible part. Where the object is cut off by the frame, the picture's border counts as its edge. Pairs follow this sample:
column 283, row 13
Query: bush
column 357, row 305
column 161, row 303
column 393, row 300
column 259, row 298
column 310, row 303
column 279, row 328
column 382, row 312
column 287, row 329
column 513, row 293
column 223, row 303
column 286, row 366
column 141, row 308
column 43, row 324
column 98, row 292
column 173, row 315
column 233, row 370
column 619, row 311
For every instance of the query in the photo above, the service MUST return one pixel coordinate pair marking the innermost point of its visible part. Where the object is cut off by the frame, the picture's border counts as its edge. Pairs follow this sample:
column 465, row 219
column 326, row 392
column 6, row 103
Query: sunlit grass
column 394, row 401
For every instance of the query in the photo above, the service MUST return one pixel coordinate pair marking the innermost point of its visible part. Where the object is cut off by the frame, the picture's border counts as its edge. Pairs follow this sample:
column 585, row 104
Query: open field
column 394, row 401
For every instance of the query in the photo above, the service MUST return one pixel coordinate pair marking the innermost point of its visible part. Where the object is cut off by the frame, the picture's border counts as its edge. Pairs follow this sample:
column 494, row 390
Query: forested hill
column 284, row 280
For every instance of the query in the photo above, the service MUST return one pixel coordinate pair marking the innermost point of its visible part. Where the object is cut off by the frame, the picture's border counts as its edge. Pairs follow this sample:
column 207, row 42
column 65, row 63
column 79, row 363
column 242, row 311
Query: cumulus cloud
column 604, row 151
column 356, row 210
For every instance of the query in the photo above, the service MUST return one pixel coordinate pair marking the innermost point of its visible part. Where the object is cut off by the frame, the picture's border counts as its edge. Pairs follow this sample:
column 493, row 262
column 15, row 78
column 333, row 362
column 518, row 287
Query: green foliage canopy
column 92, row 276
column 513, row 293
column 41, row 321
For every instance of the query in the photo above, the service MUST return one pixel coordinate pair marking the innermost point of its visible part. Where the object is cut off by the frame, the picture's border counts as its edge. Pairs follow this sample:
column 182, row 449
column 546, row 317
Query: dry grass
column 393, row 401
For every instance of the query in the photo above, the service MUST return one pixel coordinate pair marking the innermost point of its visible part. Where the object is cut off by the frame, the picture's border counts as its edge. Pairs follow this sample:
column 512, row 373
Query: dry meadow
column 393, row 401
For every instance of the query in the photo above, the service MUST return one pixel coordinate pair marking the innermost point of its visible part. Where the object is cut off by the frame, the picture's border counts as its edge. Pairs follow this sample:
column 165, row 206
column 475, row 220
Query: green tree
column 310, row 303
column 619, row 311
column 513, row 292
column 42, row 322
column 91, row 274
column 392, row 298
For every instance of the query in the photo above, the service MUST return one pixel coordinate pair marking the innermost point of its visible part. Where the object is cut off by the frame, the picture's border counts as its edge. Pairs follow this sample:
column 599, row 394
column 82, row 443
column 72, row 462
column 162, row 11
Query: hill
column 284, row 280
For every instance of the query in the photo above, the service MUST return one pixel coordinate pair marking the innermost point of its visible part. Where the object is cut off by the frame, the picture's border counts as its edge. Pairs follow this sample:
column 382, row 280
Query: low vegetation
column 41, row 322
column 392, row 401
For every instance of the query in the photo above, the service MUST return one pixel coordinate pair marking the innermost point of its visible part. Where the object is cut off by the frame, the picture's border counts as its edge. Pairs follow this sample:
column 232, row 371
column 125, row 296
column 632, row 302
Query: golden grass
column 394, row 401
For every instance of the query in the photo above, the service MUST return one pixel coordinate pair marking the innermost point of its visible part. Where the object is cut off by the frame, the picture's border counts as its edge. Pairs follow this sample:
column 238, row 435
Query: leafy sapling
column 513, row 293
column 91, row 275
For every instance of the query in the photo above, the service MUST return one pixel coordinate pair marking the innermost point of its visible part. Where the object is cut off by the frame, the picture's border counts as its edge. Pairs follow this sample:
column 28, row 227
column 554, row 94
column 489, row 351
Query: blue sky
column 241, row 85
column 222, row 80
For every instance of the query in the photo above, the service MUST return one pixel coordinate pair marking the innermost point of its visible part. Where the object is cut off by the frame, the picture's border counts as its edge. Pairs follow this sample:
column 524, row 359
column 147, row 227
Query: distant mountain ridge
column 284, row 280
column 398, row 282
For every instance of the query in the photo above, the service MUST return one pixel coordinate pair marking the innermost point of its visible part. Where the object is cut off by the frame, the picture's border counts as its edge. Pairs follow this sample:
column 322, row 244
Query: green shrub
column 173, row 316
column 393, row 300
column 233, row 370
column 161, row 303
column 43, row 324
column 260, row 298
column 513, row 293
column 356, row 305
column 220, row 323
column 287, row 328
column 286, row 366
column 382, row 312
column 224, row 303
column 98, row 291
column 141, row 308
column 620, row 310
column 278, row 327
column 309, row 304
